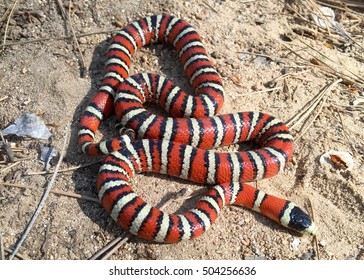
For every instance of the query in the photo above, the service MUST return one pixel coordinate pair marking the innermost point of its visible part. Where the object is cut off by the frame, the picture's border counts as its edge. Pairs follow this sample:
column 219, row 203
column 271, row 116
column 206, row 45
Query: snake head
column 295, row 218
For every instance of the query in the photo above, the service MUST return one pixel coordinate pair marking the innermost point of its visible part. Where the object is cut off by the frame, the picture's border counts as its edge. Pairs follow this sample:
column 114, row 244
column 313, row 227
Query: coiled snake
column 179, row 145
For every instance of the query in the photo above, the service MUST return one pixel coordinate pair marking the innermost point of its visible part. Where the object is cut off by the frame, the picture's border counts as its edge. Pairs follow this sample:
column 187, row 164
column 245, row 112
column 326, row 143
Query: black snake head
column 295, row 218
column 301, row 222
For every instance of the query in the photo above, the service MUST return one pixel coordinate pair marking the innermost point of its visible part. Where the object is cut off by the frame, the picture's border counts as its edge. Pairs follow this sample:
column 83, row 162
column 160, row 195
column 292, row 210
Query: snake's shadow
column 85, row 178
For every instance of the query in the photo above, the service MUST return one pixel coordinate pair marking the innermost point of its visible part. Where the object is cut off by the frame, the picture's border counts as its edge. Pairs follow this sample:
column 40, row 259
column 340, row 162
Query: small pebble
column 215, row 55
column 230, row 62
column 322, row 243
column 257, row 87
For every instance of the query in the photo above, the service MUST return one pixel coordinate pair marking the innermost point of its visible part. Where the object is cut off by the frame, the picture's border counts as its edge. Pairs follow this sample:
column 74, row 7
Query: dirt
column 44, row 78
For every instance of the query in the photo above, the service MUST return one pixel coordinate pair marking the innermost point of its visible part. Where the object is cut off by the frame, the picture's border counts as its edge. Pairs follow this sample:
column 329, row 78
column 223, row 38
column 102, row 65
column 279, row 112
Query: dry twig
column 2, row 255
column 306, row 111
column 18, row 255
column 9, row 167
column 62, row 170
column 315, row 237
column 59, row 192
column 67, row 17
column 259, row 91
column 44, row 198
column 7, row 148
column 212, row 8
column 4, row 98
column 8, row 21
column 58, row 38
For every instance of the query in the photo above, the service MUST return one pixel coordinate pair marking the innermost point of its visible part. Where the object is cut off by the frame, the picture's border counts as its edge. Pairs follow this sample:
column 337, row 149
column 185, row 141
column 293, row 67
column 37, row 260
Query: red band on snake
column 177, row 145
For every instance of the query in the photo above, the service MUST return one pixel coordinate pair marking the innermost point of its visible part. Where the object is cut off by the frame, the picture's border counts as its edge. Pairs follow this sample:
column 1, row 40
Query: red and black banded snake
column 179, row 145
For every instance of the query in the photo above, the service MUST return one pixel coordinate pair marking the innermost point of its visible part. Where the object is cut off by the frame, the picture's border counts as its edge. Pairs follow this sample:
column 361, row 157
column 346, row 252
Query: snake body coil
column 178, row 145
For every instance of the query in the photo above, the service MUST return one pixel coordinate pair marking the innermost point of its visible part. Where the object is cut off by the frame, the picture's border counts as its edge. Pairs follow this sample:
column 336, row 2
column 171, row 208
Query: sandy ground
column 44, row 78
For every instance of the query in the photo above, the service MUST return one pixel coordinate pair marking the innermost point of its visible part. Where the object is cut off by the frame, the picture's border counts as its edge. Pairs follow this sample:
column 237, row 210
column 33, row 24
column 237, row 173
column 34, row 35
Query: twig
column 44, row 198
column 310, row 106
column 313, row 119
column 355, row 76
column 315, row 237
column 10, row 166
column 8, row 21
column 44, row 247
column 212, row 8
column 5, row 14
column 59, row 38
column 2, row 255
column 111, row 247
column 7, row 148
column 20, row 256
column 114, row 245
column 346, row 135
column 62, row 170
column 59, row 192
column 67, row 17
column 259, row 91
column 4, row 98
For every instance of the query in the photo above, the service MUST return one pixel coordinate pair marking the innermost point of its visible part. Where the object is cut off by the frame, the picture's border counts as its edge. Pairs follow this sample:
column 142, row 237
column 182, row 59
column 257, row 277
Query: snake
column 182, row 144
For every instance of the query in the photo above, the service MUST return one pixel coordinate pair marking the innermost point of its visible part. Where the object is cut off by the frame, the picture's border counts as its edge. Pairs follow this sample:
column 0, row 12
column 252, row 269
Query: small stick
column 346, row 134
column 315, row 237
column 208, row 5
column 310, row 106
column 45, row 244
column 68, row 18
column 7, row 148
column 10, row 166
column 59, row 192
column 44, row 198
column 111, row 247
column 20, row 256
column 2, row 255
column 58, row 38
column 313, row 119
column 8, row 21
column 3, row 98
column 259, row 91
column 5, row 14
column 355, row 76
column 62, row 170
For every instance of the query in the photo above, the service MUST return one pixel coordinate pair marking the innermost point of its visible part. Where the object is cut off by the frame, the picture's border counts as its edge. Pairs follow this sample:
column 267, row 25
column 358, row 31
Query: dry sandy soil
column 44, row 78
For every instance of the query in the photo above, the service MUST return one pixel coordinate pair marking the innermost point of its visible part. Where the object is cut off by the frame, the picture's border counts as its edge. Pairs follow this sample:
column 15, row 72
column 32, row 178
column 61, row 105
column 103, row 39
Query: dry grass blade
column 67, row 17
column 348, row 3
column 7, row 148
column 346, row 135
column 59, row 192
column 4, row 98
column 348, row 77
column 2, row 254
column 349, row 73
column 9, row 167
column 57, row 38
column 212, row 8
column 62, row 170
column 44, row 198
column 306, row 111
column 8, row 21
column 259, row 91
column 18, row 255
column 315, row 237
column 330, row 29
